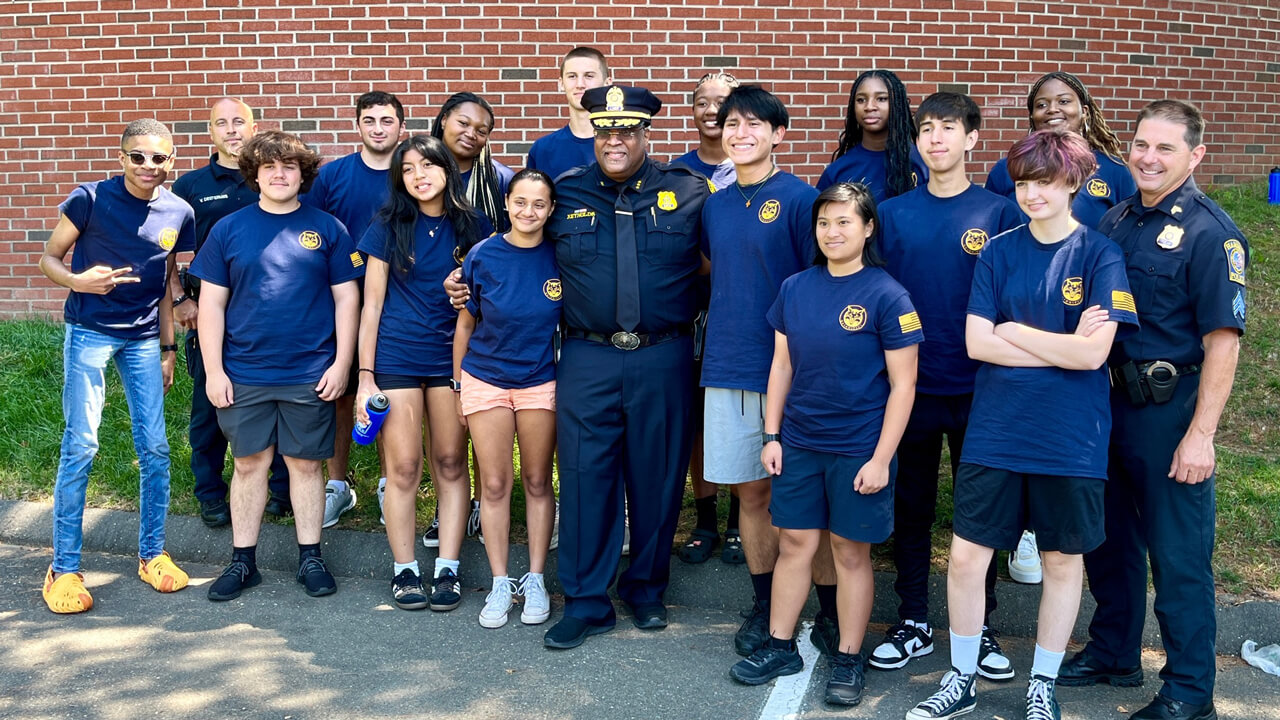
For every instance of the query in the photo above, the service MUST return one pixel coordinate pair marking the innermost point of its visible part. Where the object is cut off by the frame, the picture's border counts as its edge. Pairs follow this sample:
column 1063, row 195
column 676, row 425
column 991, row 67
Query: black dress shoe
column 571, row 632
column 215, row 513
column 1163, row 708
column 650, row 617
column 279, row 506
column 1083, row 669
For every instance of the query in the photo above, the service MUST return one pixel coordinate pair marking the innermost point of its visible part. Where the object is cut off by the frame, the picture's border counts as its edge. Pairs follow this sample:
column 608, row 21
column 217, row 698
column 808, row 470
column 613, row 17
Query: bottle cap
column 379, row 402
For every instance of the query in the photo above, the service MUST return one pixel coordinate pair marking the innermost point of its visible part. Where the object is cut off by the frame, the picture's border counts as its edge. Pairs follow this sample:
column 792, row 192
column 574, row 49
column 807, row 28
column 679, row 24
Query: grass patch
column 1247, row 559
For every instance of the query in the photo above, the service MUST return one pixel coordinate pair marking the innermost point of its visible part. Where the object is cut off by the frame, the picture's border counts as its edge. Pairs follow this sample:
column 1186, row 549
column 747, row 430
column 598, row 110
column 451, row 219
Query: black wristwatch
column 168, row 348
column 771, row 437
column 181, row 300
column 455, row 385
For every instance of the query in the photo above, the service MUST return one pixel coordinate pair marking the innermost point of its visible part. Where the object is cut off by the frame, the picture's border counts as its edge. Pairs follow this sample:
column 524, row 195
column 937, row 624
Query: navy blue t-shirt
column 838, row 329
column 868, row 166
column 350, row 191
column 752, row 250
column 515, row 297
column 415, row 332
column 1102, row 191
column 721, row 176
column 280, row 269
column 561, row 151
column 119, row 230
column 213, row 192
column 930, row 245
column 1045, row 420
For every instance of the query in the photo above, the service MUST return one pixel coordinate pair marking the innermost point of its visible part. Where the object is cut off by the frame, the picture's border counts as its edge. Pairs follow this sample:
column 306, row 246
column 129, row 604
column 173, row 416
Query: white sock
column 964, row 652
column 441, row 564
column 1046, row 663
column 382, row 483
column 397, row 568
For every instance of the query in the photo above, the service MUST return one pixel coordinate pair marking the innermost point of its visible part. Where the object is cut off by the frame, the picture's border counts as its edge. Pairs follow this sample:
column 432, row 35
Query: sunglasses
column 141, row 159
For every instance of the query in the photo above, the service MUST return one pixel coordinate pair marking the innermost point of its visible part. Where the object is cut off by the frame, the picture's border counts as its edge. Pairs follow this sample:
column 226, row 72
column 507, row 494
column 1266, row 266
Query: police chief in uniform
column 1186, row 263
column 626, row 234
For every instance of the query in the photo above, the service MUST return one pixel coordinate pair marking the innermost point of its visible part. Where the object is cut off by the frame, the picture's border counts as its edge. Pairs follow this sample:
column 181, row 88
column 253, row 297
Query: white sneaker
column 382, row 498
column 537, row 604
column 555, row 529
column 497, row 604
column 1024, row 563
column 339, row 497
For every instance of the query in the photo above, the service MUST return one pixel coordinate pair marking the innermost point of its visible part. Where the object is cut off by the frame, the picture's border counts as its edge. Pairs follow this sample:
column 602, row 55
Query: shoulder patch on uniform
column 1121, row 300
column 1235, row 260
column 1237, row 305
column 356, row 260
column 909, row 322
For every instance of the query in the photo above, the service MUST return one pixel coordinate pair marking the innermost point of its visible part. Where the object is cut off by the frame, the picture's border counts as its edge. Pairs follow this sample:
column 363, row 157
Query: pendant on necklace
column 748, row 203
column 431, row 233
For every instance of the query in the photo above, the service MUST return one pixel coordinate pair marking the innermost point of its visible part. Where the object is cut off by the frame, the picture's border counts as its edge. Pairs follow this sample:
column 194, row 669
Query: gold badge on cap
column 614, row 100
column 667, row 200
column 1170, row 237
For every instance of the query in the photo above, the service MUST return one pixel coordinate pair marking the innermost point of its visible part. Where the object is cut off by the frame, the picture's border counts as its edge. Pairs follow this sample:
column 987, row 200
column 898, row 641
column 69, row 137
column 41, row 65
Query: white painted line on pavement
column 789, row 690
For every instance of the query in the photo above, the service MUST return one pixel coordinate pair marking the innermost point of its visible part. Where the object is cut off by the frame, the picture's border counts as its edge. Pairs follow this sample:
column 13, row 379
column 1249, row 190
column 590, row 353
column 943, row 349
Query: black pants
column 916, row 498
column 208, row 445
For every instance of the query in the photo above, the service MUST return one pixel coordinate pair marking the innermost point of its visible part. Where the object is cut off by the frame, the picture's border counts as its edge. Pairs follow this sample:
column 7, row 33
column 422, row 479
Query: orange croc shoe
column 66, row 594
column 160, row 573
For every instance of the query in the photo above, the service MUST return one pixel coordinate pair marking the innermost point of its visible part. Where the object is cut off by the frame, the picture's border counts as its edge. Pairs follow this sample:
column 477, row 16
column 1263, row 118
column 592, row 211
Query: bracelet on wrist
column 180, row 300
column 770, row 437
column 168, row 348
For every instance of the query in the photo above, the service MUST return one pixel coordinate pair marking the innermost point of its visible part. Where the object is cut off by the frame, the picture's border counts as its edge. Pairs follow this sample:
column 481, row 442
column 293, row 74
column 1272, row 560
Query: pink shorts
column 479, row 395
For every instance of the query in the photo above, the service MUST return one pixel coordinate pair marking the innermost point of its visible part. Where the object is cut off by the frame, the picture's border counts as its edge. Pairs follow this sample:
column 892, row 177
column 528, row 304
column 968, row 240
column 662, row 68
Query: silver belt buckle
column 1161, row 365
column 625, row 340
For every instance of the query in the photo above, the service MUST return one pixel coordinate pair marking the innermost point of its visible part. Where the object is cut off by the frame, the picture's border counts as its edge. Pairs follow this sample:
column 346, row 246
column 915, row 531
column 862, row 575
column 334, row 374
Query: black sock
column 306, row 551
column 762, row 583
column 781, row 644
column 246, row 555
column 732, row 522
column 826, row 600
column 706, row 508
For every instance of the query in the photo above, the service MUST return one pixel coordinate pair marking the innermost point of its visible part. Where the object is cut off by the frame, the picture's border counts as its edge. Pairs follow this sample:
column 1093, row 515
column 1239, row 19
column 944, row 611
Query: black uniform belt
column 1149, row 381
column 629, row 340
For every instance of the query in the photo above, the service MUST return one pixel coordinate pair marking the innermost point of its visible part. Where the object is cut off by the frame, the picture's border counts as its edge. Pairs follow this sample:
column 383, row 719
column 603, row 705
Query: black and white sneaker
column 992, row 663
column 445, row 594
column 406, row 589
column 431, row 538
column 902, row 642
column 957, row 696
column 1041, row 703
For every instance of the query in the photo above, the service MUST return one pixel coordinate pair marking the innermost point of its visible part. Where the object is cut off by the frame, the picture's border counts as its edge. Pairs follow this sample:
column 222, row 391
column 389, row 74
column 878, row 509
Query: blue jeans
column 85, row 354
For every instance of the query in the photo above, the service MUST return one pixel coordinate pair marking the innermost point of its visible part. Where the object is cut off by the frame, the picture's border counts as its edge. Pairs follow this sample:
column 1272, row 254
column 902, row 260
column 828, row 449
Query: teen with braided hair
column 878, row 144
column 1060, row 101
column 464, row 124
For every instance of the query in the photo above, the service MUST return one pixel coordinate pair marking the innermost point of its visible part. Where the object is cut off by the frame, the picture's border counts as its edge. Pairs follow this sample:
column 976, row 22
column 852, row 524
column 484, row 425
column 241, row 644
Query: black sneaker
column 279, row 506
column 957, row 696
column 753, row 632
column 901, row 643
column 238, row 576
column 825, row 634
column 1041, row 703
column 847, row 680
column 316, row 577
column 992, row 663
column 215, row 513
column 767, row 663
column 407, row 590
column 445, row 593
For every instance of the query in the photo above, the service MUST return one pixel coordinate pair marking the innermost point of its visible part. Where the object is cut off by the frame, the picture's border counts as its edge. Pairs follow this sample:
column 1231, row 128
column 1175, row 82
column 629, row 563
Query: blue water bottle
column 1274, row 195
column 364, row 433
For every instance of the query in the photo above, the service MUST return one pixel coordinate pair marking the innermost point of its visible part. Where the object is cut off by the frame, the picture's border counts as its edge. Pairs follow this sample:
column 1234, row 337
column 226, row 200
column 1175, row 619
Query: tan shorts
column 479, row 395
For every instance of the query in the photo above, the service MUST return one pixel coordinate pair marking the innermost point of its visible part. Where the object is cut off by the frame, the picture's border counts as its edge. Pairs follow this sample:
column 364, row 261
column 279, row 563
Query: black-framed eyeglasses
column 140, row 159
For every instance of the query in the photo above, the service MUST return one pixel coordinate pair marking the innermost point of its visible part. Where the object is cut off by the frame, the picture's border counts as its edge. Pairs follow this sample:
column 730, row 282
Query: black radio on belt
column 190, row 283
column 1152, row 382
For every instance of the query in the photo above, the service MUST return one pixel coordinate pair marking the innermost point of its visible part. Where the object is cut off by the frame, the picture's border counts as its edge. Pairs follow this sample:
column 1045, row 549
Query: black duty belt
column 1150, row 381
column 629, row 340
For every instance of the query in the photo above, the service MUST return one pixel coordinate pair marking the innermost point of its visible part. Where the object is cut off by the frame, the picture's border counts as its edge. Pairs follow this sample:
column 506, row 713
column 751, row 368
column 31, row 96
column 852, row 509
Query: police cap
column 620, row 106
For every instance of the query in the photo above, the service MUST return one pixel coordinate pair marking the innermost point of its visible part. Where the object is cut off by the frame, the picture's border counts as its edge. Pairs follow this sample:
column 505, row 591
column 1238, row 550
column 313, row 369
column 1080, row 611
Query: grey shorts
column 733, row 421
column 293, row 418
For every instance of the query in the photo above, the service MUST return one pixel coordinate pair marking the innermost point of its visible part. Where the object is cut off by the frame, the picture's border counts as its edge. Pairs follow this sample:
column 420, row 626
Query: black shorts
column 815, row 491
column 993, row 507
column 391, row 381
column 293, row 418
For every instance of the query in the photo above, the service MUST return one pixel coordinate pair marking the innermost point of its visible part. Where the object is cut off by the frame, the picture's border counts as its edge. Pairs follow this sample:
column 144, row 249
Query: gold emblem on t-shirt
column 309, row 239
column 1098, row 187
column 168, row 238
column 853, row 317
column 973, row 240
column 1073, row 291
column 769, row 211
column 551, row 289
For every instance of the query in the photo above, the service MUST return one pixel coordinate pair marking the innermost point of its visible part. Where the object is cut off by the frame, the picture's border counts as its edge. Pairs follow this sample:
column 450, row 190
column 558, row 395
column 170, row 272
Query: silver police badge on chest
column 1169, row 238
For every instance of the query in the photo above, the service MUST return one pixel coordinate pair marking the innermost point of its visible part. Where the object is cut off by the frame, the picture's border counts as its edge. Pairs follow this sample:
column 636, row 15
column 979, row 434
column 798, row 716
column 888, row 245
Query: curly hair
column 902, row 131
column 269, row 146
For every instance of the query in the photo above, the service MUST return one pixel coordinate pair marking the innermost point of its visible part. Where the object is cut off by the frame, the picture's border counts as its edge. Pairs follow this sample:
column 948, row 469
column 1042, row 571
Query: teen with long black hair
column 878, row 144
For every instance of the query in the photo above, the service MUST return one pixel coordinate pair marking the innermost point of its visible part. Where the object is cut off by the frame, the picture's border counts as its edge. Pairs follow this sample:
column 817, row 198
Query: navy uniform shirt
column 213, row 192
column 561, row 151
column 1105, row 189
column 931, row 245
column 666, row 204
column 1186, row 262
column 870, row 167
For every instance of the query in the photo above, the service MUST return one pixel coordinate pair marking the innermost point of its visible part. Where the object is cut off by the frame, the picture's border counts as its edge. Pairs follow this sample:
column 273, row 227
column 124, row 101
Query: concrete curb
column 712, row 585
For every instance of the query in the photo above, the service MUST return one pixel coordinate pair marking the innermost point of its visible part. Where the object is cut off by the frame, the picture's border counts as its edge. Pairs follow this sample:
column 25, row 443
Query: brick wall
column 72, row 72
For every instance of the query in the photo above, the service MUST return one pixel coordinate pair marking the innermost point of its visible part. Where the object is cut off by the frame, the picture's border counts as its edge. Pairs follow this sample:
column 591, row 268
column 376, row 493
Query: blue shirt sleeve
column 78, row 207
column 210, row 264
column 898, row 324
column 982, row 294
column 345, row 263
column 777, row 312
column 1216, row 277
